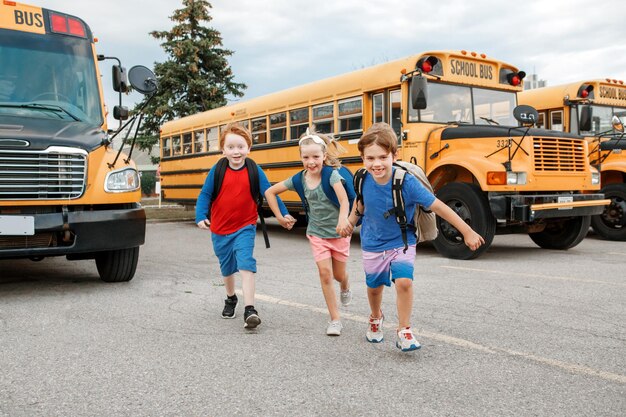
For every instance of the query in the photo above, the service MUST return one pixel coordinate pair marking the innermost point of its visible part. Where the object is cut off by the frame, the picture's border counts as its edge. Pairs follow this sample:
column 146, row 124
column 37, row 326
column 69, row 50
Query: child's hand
column 344, row 228
column 287, row 221
column 473, row 240
column 204, row 224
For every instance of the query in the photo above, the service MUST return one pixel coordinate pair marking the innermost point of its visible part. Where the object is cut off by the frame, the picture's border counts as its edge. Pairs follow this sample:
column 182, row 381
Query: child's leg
column 340, row 274
column 229, row 284
column 247, row 287
column 404, row 301
column 328, row 288
column 375, row 298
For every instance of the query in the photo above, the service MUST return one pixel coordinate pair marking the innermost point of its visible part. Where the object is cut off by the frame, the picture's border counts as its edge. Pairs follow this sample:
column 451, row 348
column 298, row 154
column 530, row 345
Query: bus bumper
column 78, row 234
column 528, row 208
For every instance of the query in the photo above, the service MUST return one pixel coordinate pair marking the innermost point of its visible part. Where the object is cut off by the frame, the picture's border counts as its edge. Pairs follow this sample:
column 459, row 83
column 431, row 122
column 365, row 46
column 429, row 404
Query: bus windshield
column 453, row 103
column 51, row 76
column 601, row 118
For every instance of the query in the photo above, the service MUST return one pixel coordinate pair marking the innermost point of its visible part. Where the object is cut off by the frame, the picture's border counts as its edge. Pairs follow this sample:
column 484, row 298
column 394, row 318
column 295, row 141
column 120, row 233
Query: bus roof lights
column 68, row 25
column 9, row 3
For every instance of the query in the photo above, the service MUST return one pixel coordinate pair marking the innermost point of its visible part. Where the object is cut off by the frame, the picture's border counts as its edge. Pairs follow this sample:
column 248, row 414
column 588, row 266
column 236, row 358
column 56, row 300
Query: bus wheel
column 562, row 234
column 117, row 265
column 611, row 224
column 471, row 205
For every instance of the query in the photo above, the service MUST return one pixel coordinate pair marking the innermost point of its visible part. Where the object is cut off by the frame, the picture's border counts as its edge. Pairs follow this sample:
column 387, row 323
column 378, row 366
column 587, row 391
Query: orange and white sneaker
column 375, row 330
column 406, row 340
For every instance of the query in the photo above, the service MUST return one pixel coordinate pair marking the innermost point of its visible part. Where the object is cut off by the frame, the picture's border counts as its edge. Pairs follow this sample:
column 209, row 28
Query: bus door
column 387, row 107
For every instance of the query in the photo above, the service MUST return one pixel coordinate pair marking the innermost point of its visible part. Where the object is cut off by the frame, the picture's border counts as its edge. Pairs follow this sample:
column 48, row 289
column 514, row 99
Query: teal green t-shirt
column 323, row 214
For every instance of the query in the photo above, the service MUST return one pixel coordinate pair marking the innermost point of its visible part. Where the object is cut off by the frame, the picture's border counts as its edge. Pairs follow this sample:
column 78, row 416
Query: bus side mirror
column 419, row 92
column 586, row 114
column 119, row 78
column 142, row 79
column 120, row 112
column 526, row 115
column 617, row 124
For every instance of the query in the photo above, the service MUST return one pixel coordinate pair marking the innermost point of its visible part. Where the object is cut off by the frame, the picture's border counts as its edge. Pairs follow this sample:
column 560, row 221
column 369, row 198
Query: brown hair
column 236, row 129
column 332, row 148
column 380, row 134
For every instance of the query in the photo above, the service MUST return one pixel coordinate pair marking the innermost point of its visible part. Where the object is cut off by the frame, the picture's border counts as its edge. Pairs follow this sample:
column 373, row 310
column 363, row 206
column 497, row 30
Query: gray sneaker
column 334, row 328
column 346, row 297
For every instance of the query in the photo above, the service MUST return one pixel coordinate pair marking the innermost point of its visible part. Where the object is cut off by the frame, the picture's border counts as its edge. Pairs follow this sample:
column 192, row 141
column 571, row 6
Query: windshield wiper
column 490, row 121
column 50, row 107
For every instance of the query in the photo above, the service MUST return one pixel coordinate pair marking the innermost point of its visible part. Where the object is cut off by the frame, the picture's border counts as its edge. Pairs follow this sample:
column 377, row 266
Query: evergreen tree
column 196, row 77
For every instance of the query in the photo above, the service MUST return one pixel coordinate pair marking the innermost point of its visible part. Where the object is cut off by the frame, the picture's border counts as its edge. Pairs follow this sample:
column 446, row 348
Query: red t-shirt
column 234, row 207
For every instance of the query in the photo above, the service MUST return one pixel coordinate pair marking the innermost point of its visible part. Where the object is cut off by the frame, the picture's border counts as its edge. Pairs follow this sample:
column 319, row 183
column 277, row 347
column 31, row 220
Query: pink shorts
column 338, row 248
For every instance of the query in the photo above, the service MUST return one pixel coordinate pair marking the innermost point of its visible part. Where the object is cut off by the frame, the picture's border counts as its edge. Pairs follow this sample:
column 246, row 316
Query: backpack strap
column 255, row 190
column 398, row 204
column 296, row 181
column 218, row 178
column 359, row 176
column 327, row 171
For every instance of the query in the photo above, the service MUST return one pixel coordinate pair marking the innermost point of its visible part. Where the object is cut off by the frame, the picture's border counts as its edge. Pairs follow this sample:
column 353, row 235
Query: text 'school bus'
column 459, row 126
column 587, row 108
column 62, row 190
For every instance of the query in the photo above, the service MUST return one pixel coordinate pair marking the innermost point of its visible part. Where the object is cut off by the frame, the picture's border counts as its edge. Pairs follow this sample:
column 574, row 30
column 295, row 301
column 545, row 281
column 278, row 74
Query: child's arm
column 270, row 195
column 203, row 204
column 352, row 220
column 472, row 239
column 344, row 207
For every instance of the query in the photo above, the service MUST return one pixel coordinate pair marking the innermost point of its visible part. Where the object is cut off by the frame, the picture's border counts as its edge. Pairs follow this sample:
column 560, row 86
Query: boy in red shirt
column 233, row 216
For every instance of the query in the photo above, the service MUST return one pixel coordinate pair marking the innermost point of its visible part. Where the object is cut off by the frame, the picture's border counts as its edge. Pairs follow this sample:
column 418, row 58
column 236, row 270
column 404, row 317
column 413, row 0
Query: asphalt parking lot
column 521, row 331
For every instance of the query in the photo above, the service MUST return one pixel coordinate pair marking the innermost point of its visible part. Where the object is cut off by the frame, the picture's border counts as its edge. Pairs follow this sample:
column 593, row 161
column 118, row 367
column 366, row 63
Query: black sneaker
column 251, row 319
column 229, row 307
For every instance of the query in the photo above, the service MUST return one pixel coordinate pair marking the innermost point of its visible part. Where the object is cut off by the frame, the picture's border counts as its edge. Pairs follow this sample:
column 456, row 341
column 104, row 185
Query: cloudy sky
column 279, row 44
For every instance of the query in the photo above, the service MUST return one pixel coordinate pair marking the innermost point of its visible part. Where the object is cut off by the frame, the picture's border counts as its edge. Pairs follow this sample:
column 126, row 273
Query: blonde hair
column 331, row 148
column 380, row 134
column 238, row 129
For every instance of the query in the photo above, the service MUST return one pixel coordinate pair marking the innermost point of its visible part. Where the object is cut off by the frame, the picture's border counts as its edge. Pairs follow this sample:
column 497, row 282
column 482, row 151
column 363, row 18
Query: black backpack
column 255, row 188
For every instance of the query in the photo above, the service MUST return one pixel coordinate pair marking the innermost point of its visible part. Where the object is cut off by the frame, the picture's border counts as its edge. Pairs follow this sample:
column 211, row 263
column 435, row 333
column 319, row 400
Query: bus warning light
column 427, row 63
column 515, row 78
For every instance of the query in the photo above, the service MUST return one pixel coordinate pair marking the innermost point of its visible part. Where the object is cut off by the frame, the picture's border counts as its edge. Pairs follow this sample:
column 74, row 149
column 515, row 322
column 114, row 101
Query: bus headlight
column 122, row 181
column 595, row 178
column 506, row 178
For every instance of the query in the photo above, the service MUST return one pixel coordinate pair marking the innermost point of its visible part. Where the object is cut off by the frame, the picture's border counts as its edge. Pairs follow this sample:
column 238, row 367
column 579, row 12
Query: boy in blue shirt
column 384, row 257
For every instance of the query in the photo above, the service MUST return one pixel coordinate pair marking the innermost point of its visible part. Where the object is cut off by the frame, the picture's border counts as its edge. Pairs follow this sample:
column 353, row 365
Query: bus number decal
column 471, row 69
column 503, row 143
column 28, row 18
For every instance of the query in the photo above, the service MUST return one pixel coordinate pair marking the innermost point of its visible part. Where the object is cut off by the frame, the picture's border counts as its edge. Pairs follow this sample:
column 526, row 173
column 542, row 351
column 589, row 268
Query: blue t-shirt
column 379, row 234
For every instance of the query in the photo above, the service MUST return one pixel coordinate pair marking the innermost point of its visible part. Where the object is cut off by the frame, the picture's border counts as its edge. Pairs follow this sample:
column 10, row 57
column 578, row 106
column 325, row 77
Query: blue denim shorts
column 234, row 251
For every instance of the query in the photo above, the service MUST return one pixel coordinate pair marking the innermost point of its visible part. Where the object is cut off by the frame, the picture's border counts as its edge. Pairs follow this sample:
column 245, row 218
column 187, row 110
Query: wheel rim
column 614, row 214
column 447, row 230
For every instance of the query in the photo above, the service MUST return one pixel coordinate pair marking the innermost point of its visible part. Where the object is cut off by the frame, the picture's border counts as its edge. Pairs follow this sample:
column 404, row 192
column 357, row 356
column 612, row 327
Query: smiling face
column 378, row 162
column 235, row 149
column 312, row 156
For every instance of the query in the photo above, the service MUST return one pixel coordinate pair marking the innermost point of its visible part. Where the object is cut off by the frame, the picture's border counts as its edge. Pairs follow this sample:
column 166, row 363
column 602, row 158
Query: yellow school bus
column 587, row 108
column 64, row 191
column 453, row 113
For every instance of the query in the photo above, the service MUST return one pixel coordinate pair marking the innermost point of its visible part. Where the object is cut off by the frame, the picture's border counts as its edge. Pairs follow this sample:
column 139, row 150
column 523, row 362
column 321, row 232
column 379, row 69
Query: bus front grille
column 559, row 154
column 58, row 173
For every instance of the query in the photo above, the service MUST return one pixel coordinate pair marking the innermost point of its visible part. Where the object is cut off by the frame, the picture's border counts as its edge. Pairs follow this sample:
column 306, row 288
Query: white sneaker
column 334, row 328
column 346, row 297
column 375, row 329
column 406, row 340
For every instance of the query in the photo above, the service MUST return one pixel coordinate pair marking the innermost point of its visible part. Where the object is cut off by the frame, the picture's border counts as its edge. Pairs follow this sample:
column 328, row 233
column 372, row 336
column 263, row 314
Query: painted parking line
column 450, row 340
column 524, row 274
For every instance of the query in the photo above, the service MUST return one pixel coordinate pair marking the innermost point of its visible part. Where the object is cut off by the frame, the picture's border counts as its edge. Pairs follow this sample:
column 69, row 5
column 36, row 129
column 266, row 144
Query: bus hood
column 38, row 134
column 485, row 131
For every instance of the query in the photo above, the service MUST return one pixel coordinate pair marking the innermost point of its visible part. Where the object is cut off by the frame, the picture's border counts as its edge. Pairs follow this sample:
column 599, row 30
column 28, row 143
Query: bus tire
column 117, row 265
column 611, row 224
column 562, row 234
column 470, row 203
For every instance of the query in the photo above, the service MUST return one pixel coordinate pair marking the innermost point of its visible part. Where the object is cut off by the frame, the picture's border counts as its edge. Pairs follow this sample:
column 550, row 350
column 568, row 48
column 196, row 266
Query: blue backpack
column 348, row 184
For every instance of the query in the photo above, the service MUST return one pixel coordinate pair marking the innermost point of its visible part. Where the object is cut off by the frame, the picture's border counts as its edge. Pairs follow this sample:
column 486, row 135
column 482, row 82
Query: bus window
column 556, row 120
column 176, row 145
column 377, row 108
column 395, row 98
column 167, row 147
column 199, row 144
column 186, row 143
column 323, row 118
column 350, row 115
column 212, row 139
column 541, row 120
column 446, row 103
column 493, row 106
column 245, row 123
column 299, row 122
column 278, row 127
column 259, row 130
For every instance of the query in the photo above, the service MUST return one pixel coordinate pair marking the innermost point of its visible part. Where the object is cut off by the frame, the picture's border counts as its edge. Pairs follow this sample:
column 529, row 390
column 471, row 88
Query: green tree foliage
column 196, row 76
